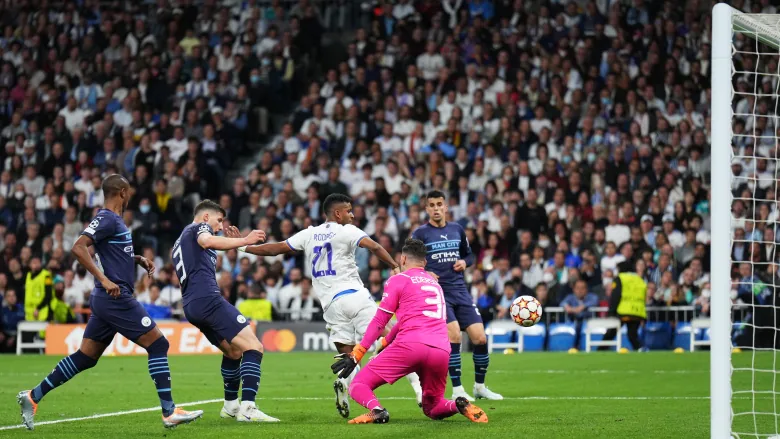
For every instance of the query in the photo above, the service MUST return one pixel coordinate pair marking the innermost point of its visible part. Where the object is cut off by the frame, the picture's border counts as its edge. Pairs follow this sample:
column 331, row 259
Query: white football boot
column 230, row 409
column 482, row 392
column 460, row 392
column 250, row 413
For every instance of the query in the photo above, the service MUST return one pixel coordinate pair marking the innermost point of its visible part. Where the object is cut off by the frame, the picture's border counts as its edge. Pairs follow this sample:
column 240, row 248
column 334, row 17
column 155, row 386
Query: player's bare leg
column 476, row 333
column 86, row 357
column 453, row 331
column 252, row 354
column 231, row 376
column 341, row 385
column 156, row 346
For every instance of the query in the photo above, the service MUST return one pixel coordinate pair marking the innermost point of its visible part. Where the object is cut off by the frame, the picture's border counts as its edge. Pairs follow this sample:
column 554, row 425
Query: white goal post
column 744, row 398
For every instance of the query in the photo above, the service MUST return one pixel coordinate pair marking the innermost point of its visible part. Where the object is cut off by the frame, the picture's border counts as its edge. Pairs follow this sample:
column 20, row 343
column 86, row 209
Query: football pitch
column 548, row 395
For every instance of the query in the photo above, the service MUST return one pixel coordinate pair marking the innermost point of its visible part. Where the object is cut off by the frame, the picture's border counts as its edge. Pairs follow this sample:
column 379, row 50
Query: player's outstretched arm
column 81, row 251
column 207, row 240
column 380, row 253
column 270, row 249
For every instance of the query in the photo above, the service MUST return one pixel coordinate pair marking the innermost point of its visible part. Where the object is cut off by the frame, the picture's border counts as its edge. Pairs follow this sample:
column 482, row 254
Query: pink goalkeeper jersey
column 417, row 300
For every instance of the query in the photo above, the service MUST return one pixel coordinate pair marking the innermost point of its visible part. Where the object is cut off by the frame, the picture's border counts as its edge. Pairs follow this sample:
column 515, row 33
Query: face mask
column 19, row 195
column 266, row 61
column 591, row 157
column 255, row 79
column 606, row 101
column 145, row 208
column 606, row 281
column 682, row 169
column 597, row 139
column 544, row 244
column 179, row 94
column 566, row 159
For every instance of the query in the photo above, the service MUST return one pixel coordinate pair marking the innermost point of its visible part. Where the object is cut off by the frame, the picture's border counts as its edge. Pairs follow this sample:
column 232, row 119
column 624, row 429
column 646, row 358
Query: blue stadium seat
column 596, row 334
column 561, row 337
column 682, row 336
column 624, row 342
column 533, row 337
column 658, row 335
column 703, row 335
column 158, row 312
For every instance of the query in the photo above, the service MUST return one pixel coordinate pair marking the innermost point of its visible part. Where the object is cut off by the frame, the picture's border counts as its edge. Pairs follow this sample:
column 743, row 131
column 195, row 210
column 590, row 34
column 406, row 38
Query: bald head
column 113, row 185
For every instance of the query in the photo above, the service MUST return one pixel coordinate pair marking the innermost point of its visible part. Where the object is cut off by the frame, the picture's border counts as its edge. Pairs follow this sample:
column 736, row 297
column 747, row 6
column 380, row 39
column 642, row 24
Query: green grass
column 548, row 396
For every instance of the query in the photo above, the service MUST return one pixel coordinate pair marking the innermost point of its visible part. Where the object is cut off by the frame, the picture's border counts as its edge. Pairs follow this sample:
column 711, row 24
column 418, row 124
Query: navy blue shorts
column 465, row 314
column 216, row 318
column 123, row 315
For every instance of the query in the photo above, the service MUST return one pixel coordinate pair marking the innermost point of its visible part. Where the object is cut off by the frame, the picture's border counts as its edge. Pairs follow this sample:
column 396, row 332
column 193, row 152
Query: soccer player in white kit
column 330, row 260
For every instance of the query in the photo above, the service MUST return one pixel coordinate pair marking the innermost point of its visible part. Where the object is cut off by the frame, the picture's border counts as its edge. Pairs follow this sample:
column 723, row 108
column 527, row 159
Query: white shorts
column 348, row 317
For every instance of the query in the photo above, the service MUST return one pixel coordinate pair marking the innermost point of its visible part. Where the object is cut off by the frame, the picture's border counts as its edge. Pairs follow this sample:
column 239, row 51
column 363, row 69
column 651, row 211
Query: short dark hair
column 209, row 205
column 113, row 184
column 333, row 199
column 435, row 194
column 414, row 248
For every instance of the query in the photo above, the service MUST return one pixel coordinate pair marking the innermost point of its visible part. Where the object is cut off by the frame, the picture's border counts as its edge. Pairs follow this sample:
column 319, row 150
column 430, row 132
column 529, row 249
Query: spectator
column 576, row 305
column 257, row 306
column 13, row 313
column 303, row 307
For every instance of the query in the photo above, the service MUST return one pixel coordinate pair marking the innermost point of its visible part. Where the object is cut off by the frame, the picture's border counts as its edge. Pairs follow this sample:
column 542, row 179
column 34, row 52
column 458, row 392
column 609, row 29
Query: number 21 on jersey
column 324, row 251
column 436, row 299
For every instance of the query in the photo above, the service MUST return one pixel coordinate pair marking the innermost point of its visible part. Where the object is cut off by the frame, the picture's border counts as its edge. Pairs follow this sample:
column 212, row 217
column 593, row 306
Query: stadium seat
column 502, row 334
column 597, row 327
column 158, row 312
column 533, row 337
column 624, row 341
column 596, row 334
column 682, row 336
column 561, row 337
column 658, row 335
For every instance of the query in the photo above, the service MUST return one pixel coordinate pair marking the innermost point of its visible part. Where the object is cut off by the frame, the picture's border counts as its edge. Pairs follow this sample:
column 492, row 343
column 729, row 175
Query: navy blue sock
column 250, row 374
column 66, row 369
column 481, row 362
column 161, row 374
column 455, row 364
column 231, row 375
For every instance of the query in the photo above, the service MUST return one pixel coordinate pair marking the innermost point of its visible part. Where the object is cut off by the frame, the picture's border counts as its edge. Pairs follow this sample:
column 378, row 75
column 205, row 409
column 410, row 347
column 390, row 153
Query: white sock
column 351, row 377
column 414, row 380
column 232, row 405
column 247, row 404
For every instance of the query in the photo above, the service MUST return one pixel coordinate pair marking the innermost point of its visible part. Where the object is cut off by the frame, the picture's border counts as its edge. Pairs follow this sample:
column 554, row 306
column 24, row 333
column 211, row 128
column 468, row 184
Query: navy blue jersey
column 195, row 265
column 113, row 251
column 446, row 245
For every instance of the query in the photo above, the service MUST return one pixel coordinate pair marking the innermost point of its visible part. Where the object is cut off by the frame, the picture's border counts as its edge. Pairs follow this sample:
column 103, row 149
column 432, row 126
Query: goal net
column 745, row 211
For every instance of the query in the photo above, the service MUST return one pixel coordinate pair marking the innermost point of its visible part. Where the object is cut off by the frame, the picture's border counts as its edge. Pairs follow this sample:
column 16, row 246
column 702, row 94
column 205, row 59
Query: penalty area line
column 320, row 398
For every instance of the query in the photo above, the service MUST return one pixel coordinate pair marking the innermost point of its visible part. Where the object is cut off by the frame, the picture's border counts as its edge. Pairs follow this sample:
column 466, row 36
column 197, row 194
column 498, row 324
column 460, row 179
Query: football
column 526, row 311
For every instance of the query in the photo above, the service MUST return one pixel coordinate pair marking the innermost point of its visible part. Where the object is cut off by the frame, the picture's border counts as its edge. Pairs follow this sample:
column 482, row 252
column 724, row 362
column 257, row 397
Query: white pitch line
column 320, row 398
column 107, row 415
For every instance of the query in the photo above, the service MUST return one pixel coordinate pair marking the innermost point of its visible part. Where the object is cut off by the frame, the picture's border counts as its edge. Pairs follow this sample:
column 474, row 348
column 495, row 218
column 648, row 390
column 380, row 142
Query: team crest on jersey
column 146, row 321
column 204, row 228
column 241, row 319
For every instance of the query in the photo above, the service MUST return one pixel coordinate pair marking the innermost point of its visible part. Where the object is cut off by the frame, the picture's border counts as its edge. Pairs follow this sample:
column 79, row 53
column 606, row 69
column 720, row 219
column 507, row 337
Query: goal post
column 745, row 90
column 720, row 246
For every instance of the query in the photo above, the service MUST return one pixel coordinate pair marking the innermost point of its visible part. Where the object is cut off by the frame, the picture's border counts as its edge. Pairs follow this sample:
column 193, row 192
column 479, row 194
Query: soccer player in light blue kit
column 195, row 258
column 448, row 256
column 114, row 309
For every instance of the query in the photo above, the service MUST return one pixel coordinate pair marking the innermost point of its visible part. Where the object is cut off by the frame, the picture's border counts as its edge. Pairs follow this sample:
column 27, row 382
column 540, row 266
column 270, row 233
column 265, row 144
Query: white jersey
column 330, row 258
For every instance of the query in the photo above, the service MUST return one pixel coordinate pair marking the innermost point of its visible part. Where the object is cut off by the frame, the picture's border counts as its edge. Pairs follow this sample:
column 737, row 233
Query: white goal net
column 746, row 280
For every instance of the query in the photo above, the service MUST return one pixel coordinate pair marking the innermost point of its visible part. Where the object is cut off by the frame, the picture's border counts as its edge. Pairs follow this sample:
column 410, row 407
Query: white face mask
column 544, row 244
column 682, row 169
column 606, row 281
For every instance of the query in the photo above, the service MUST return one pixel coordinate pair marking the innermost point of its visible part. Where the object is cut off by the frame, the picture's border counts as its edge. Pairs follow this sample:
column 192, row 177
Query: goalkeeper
column 627, row 302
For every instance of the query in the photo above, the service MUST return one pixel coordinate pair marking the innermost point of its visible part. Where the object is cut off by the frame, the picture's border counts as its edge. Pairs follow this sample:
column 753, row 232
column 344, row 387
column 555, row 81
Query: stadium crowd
column 572, row 137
